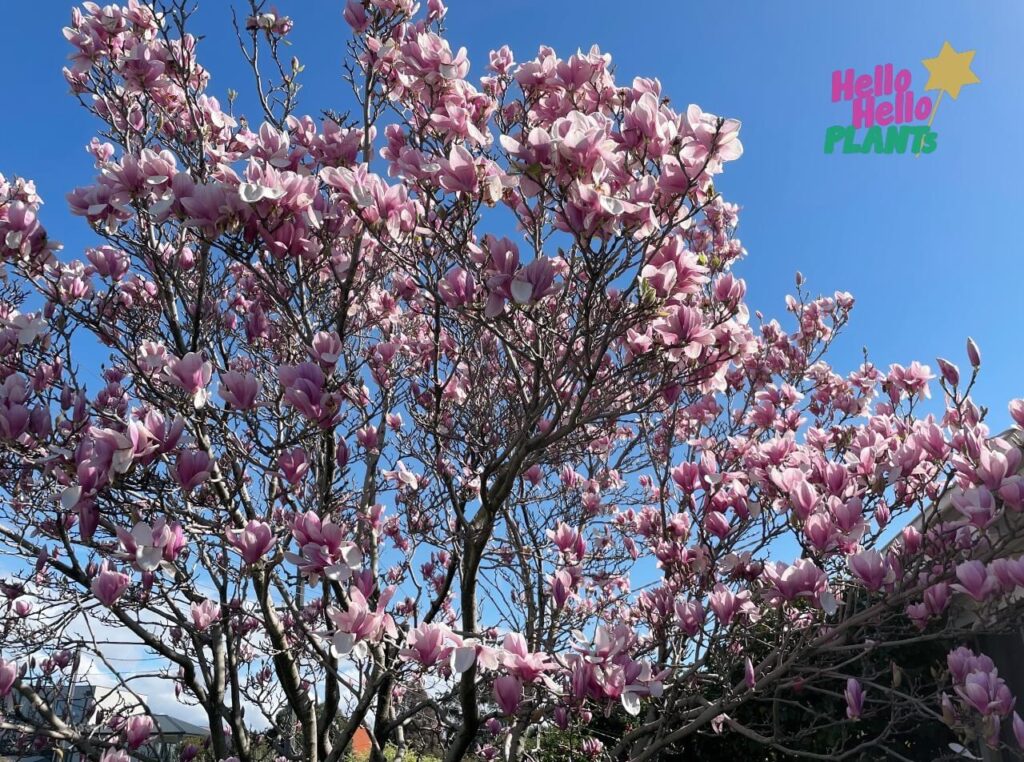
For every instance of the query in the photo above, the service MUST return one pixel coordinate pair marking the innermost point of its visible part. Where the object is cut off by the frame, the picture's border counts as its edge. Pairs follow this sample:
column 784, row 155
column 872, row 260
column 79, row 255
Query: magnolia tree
column 447, row 413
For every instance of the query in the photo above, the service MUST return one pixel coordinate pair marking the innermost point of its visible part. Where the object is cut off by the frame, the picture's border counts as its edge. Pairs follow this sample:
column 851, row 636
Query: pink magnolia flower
column 709, row 139
column 403, row 477
column 717, row 524
column 147, row 545
column 137, row 730
column 205, row 614
column 165, row 433
column 639, row 343
column 973, row 353
column 520, row 661
column 27, row 328
column 684, row 333
column 661, row 279
column 936, row 598
column 326, row 350
column 749, row 676
column 428, row 56
column 1012, row 492
column 458, row 288
column 239, row 390
column 191, row 373
column 854, row 699
column 353, row 185
column 271, row 22
column 534, row 282
column 804, row 499
column 209, row 207
column 727, row 604
column 471, row 652
column 108, row 586
column 501, row 60
column 950, row 372
column 561, row 583
column 912, row 539
column 101, row 456
column 534, row 475
column 592, row 748
column 427, row 644
column 986, row 693
column 109, row 262
column 322, row 549
column 459, row 172
column 568, row 540
column 975, row 580
column 192, row 468
column 690, row 616
column 355, row 15
column 508, row 692
column 115, row 755
column 1009, row 571
column 977, row 506
column 729, row 288
column 253, row 542
column 869, row 567
column 1017, row 411
column 294, row 464
column 962, row 661
column 304, row 390
column 688, row 476
column 820, row 531
column 995, row 465
column 501, row 267
column 358, row 623
column 8, row 674
column 912, row 380
column 802, row 579
column 918, row 614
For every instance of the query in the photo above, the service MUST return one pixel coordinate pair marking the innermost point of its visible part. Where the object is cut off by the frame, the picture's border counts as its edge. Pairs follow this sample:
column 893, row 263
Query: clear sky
column 927, row 245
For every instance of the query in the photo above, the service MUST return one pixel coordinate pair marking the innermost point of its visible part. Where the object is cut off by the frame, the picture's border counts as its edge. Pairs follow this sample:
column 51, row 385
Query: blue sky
column 926, row 245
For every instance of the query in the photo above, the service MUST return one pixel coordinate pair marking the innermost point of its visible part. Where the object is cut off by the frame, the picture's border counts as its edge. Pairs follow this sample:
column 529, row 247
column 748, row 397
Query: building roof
column 361, row 743
column 174, row 726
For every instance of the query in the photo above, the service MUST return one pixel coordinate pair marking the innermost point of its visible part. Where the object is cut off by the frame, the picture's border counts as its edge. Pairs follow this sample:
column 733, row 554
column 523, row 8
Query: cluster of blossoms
column 357, row 460
column 980, row 696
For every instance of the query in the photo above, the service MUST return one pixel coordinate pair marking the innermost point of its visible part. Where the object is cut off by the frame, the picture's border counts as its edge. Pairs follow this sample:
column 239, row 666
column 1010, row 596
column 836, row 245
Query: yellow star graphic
column 949, row 71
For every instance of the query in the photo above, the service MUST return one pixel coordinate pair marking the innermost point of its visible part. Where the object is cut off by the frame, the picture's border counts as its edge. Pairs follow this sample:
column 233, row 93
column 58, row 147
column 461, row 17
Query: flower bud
column 973, row 353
